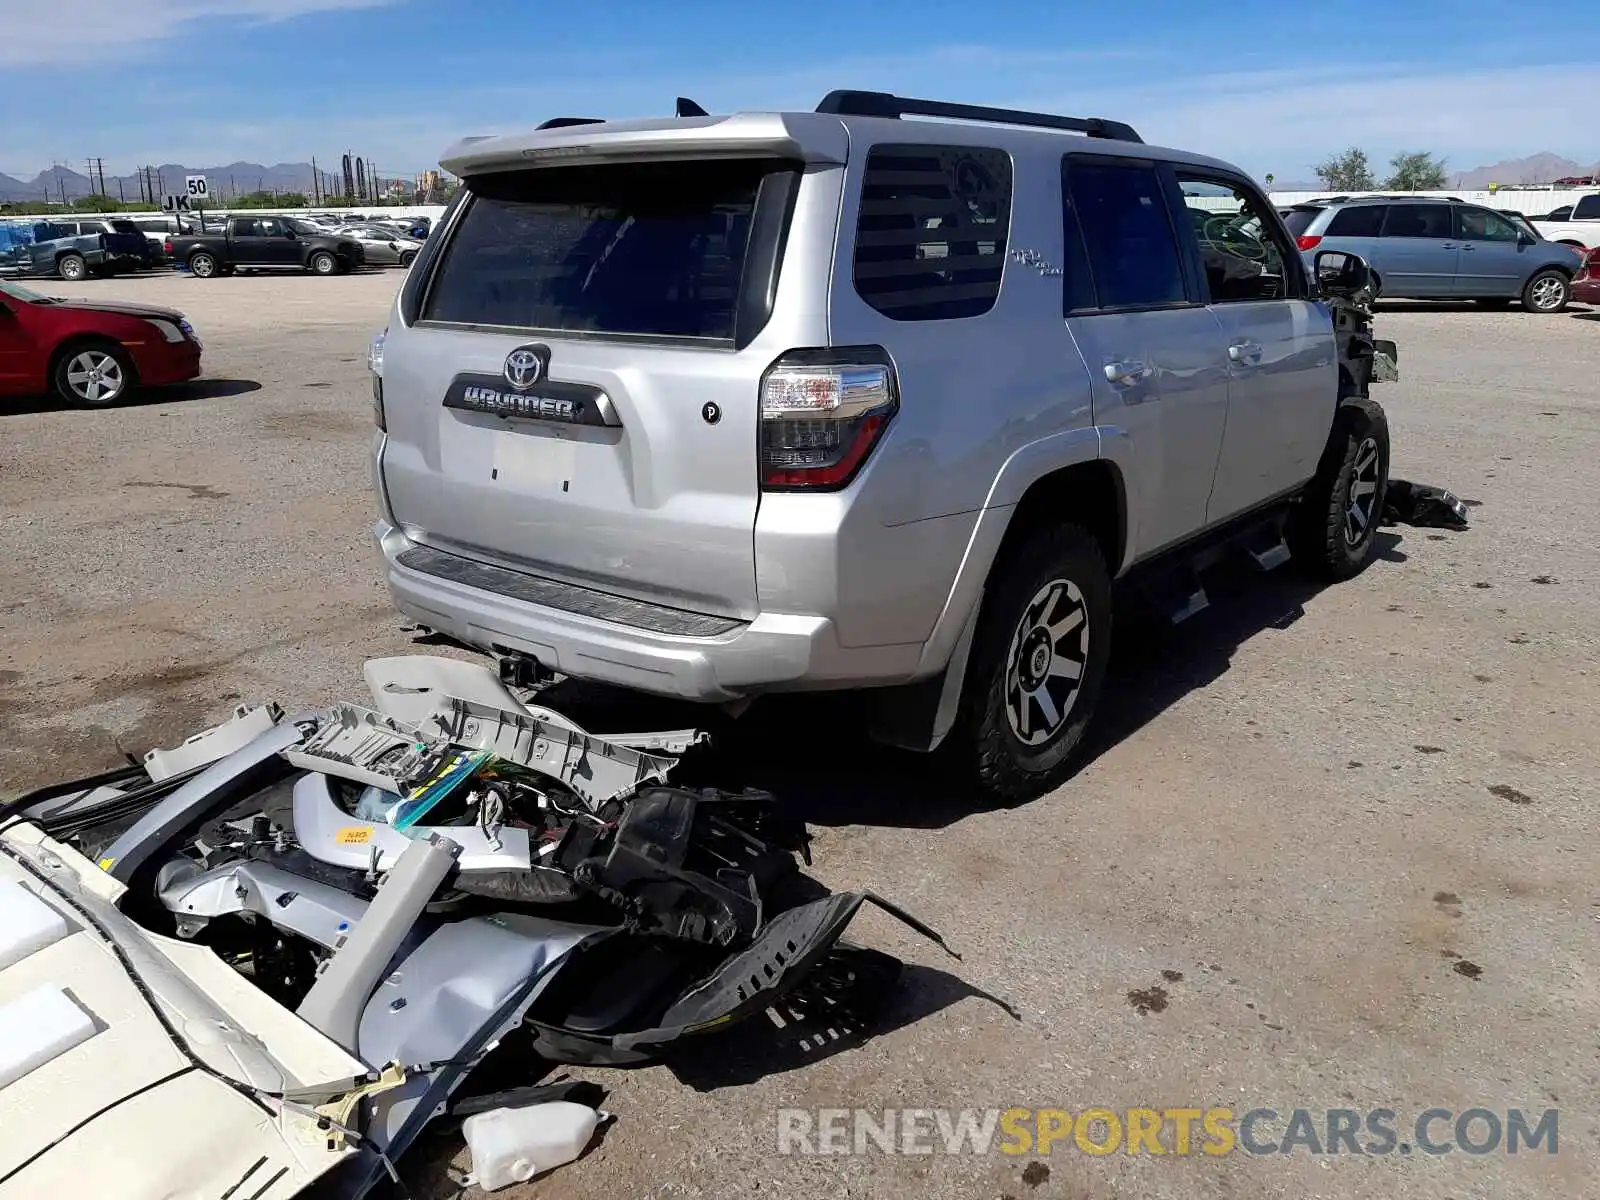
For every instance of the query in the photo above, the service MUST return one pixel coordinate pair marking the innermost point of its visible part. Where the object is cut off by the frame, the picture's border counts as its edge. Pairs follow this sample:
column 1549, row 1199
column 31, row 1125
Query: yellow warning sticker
column 354, row 835
column 107, row 863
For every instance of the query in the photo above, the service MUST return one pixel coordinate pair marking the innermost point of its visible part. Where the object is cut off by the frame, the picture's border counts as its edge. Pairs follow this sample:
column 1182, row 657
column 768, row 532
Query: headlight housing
column 170, row 331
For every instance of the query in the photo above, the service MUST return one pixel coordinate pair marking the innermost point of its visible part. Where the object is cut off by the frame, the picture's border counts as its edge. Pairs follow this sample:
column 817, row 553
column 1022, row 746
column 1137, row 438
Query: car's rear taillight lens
column 166, row 246
column 1308, row 241
column 375, row 365
column 822, row 412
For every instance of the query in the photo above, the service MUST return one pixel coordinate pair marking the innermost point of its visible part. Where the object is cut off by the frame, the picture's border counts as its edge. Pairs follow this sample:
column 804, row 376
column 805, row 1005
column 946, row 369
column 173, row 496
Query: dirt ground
column 1332, row 849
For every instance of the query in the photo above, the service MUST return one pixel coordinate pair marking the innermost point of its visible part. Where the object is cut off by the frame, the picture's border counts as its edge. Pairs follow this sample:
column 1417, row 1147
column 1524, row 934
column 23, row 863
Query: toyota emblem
column 523, row 368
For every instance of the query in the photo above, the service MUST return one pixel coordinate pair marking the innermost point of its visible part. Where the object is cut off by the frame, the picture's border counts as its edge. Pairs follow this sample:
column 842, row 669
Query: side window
column 1481, row 225
column 1127, row 237
column 931, row 234
column 1240, row 247
column 1359, row 220
column 1419, row 221
column 246, row 227
column 1586, row 209
column 267, row 227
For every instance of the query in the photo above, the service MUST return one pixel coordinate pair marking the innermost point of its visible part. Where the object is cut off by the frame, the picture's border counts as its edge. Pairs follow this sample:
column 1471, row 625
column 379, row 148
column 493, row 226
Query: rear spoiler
column 808, row 137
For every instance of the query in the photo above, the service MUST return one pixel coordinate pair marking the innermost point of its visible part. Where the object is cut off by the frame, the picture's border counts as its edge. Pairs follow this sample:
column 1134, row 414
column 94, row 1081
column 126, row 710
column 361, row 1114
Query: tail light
column 822, row 412
column 375, row 366
column 166, row 246
column 1308, row 241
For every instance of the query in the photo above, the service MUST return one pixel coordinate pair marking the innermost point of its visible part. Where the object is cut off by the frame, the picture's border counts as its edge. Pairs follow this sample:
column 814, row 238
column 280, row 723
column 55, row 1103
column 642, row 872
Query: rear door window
column 1586, row 209
column 931, row 233
column 1419, row 221
column 1362, row 220
column 1126, row 227
column 620, row 248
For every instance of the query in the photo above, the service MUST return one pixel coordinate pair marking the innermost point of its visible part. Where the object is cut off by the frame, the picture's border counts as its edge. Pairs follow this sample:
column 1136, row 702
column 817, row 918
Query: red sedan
column 1586, row 283
column 90, row 352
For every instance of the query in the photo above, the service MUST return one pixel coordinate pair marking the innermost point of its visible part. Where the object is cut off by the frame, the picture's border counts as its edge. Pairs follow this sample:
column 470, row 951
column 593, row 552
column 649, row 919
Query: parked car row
column 1433, row 249
column 74, row 249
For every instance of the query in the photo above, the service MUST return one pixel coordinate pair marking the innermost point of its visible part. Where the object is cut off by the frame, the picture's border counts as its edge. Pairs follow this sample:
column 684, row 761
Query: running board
column 1197, row 602
column 1273, row 557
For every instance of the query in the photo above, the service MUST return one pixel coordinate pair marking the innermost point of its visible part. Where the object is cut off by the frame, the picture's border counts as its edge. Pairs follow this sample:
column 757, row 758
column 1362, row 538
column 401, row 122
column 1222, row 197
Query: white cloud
column 71, row 31
column 1285, row 121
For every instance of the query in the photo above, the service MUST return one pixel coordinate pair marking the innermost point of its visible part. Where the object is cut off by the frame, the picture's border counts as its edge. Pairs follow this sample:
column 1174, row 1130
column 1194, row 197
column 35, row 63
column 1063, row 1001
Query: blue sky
column 1273, row 85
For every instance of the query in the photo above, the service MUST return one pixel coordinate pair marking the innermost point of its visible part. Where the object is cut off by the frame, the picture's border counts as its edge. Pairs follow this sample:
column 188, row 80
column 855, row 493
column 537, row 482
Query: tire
column 409, row 257
column 1335, row 534
column 72, row 268
column 323, row 263
column 1547, row 292
column 1047, row 604
column 93, row 374
column 202, row 265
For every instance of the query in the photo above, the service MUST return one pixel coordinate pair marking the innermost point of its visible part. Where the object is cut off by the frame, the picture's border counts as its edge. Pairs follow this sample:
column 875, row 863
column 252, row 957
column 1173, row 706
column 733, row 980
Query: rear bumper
column 1586, row 289
column 773, row 652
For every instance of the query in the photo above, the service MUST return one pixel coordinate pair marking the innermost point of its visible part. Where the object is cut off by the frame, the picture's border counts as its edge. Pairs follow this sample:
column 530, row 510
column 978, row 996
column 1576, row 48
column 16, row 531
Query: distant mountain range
column 234, row 179
column 239, row 178
column 1532, row 171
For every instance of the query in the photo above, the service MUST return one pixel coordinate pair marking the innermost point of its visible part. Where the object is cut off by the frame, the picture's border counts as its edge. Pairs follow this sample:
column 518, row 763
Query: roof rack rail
column 884, row 104
column 563, row 122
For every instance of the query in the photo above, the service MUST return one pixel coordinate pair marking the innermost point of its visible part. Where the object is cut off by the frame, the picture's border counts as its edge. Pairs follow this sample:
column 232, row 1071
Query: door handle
column 1448, row 246
column 1467, row 248
column 1247, row 353
column 1126, row 372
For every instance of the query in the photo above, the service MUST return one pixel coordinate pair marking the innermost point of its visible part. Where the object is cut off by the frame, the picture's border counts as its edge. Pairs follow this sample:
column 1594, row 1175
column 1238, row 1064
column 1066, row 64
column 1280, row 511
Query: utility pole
column 121, row 195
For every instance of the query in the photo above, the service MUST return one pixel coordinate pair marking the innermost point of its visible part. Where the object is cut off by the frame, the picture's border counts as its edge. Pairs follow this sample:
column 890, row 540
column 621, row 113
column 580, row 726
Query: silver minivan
column 1435, row 249
column 712, row 406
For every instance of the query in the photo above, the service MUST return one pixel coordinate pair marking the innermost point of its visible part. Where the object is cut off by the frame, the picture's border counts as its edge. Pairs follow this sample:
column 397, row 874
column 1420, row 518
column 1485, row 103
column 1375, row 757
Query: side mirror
column 291, row 235
column 1342, row 274
column 1526, row 239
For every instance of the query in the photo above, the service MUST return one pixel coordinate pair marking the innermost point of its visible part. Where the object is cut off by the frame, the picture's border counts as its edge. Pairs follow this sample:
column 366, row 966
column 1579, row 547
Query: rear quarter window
column 931, row 230
column 1299, row 219
column 625, row 248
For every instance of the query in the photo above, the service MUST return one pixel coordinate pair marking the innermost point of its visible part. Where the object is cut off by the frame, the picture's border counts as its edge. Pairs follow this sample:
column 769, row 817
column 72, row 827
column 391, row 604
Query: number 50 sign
column 199, row 189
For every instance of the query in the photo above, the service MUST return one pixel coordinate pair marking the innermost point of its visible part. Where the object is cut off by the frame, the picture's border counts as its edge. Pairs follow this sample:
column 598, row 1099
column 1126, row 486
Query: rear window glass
column 1586, row 209
column 931, row 234
column 1299, row 219
column 1362, row 221
column 640, row 248
column 124, row 227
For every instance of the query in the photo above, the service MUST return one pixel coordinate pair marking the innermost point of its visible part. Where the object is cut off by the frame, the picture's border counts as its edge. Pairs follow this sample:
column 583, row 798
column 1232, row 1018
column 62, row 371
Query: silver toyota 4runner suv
column 714, row 406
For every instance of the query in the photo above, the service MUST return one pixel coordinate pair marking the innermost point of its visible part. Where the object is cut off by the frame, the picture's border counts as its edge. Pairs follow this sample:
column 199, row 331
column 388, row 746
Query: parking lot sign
column 199, row 189
column 175, row 202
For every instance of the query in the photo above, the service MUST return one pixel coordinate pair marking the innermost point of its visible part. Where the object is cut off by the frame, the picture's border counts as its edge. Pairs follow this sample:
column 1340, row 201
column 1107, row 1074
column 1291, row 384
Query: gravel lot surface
column 1335, row 849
